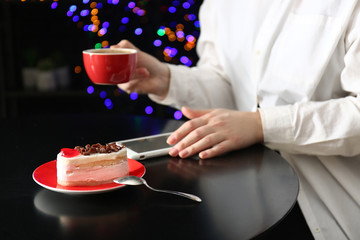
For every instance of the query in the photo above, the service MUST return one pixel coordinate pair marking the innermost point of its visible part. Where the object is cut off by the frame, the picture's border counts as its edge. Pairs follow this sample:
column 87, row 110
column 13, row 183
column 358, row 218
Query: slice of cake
column 91, row 165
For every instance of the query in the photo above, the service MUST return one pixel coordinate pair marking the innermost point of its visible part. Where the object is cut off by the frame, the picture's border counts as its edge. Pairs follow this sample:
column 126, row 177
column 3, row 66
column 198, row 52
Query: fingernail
column 184, row 153
column 171, row 140
column 203, row 155
column 173, row 152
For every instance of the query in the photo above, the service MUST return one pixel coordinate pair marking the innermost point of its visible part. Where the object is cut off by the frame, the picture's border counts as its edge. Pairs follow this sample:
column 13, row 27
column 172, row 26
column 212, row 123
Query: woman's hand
column 151, row 75
column 214, row 132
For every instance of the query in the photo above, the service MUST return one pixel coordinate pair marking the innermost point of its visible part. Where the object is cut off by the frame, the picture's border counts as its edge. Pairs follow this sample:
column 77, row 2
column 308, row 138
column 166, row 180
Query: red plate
column 46, row 176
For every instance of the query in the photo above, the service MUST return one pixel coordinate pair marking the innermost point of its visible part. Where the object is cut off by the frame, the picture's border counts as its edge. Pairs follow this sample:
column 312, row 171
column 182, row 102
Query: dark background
column 31, row 32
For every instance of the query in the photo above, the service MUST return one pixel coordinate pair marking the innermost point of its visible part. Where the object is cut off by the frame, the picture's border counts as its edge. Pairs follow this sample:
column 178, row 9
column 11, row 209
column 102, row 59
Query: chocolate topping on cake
column 98, row 148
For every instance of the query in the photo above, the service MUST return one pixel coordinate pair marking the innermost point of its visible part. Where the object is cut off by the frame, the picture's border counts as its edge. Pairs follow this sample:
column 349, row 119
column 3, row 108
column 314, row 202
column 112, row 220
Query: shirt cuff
column 277, row 125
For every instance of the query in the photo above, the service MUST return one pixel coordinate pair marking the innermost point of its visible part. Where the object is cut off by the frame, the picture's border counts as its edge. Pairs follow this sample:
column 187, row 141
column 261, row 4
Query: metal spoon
column 133, row 180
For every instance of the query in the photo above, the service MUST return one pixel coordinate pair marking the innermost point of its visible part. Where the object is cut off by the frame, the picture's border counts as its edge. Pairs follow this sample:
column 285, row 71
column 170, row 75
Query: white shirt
column 298, row 60
column 329, row 194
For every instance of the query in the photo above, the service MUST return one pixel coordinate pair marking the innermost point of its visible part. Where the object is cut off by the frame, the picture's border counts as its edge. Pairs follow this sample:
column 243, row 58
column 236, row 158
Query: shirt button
column 257, row 52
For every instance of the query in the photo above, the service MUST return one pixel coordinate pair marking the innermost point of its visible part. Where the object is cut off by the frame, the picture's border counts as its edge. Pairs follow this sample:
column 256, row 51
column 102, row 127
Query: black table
column 244, row 193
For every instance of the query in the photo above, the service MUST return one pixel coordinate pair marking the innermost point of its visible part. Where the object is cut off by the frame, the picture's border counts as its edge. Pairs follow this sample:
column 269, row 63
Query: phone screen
column 147, row 144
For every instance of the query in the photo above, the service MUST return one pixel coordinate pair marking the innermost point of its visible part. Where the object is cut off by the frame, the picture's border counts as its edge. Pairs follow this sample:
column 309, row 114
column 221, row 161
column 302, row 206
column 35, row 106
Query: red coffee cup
column 110, row 66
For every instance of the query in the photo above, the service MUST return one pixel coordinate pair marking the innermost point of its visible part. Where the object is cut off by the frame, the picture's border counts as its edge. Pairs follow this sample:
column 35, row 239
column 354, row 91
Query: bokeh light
column 77, row 69
column 172, row 9
column 173, row 39
column 108, row 103
column 103, row 94
column 186, row 5
column 197, row 24
column 105, row 24
column 125, row 20
column 73, row 8
column 134, row 95
column 131, row 5
column 102, row 32
column 90, row 89
column 76, row 18
column 54, row 5
column 93, row 5
column 178, row 115
column 138, row 31
column 105, row 44
column 161, row 32
column 149, row 110
column 157, row 42
column 84, row 13
column 122, row 28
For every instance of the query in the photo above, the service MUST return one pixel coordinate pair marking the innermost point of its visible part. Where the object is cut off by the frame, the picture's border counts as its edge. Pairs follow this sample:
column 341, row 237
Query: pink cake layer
column 94, row 169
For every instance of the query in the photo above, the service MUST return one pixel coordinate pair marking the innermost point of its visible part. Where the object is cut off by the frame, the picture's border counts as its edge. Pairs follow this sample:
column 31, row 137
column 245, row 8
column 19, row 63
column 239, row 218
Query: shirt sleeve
column 322, row 128
column 205, row 85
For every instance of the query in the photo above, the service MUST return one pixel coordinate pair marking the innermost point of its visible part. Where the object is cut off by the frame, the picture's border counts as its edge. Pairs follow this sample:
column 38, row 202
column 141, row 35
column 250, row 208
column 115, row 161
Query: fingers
column 191, row 113
column 207, row 146
column 216, row 150
column 193, row 136
column 141, row 72
column 212, row 132
column 185, row 129
column 134, row 85
column 124, row 44
column 198, row 144
column 189, row 126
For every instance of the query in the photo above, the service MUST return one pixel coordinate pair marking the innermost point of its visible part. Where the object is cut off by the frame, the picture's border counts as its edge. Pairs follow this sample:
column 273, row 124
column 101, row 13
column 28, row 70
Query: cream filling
column 94, row 167
column 71, row 173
